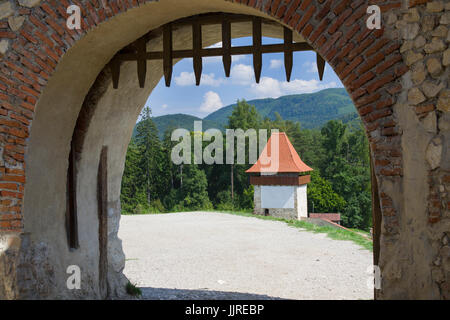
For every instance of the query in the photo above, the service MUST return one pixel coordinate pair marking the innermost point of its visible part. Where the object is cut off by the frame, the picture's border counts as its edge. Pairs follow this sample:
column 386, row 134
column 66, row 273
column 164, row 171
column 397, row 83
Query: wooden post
column 102, row 196
column 71, row 217
column 257, row 43
column 226, row 46
column 376, row 218
column 197, row 51
column 320, row 66
column 141, row 49
column 115, row 72
column 167, row 53
column 288, row 55
column 137, row 50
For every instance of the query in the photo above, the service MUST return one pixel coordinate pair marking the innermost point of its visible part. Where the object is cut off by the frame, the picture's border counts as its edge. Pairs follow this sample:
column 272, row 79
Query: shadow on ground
column 205, row 294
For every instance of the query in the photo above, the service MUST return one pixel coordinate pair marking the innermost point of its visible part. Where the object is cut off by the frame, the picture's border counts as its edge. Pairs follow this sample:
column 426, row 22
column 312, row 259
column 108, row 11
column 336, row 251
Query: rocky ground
column 205, row 255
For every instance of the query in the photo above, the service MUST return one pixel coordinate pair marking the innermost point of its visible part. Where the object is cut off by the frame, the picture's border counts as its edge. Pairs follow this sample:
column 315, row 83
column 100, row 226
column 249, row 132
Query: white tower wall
column 302, row 202
column 289, row 202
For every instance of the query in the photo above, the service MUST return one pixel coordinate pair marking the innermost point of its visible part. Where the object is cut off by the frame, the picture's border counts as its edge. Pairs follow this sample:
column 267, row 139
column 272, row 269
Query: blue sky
column 216, row 91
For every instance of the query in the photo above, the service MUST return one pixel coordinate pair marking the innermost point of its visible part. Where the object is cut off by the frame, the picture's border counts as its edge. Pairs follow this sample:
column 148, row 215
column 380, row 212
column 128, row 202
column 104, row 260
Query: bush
column 133, row 290
column 171, row 200
column 140, row 209
column 157, row 207
column 246, row 199
column 224, row 202
column 178, row 207
column 224, row 207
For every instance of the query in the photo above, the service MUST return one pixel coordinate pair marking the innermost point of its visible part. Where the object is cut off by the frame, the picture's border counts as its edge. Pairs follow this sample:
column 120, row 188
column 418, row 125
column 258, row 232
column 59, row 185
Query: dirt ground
column 204, row 255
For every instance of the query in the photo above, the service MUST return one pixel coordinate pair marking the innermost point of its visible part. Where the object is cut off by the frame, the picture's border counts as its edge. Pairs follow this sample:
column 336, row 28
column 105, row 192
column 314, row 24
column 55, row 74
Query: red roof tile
column 288, row 160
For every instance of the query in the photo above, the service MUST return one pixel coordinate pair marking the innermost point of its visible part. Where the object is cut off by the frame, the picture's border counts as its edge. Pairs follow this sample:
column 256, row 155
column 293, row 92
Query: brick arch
column 368, row 62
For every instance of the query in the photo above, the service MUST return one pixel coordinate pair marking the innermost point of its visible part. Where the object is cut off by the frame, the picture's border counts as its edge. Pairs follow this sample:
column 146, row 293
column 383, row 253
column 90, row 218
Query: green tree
column 132, row 192
column 151, row 156
column 244, row 116
column 321, row 196
column 194, row 194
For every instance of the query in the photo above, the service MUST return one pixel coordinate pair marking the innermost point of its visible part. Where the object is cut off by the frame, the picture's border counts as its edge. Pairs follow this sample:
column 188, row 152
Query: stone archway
column 398, row 83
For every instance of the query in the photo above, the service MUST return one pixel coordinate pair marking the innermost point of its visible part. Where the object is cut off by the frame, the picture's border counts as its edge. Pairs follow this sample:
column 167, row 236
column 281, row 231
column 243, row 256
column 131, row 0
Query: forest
column 338, row 153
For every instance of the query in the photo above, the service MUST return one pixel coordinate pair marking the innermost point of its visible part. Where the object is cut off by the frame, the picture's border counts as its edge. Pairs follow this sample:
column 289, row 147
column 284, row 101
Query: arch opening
column 102, row 97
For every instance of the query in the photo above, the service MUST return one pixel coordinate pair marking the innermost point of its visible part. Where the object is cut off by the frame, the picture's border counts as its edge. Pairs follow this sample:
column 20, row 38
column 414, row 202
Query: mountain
column 313, row 110
column 179, row 120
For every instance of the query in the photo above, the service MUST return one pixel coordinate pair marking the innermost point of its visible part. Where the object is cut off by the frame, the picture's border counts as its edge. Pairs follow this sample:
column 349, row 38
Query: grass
column 132, row 290
column 333, row 233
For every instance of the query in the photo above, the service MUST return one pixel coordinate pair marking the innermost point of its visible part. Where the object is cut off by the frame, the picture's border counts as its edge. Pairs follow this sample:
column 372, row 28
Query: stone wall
column 423, row 28
column 291, row 214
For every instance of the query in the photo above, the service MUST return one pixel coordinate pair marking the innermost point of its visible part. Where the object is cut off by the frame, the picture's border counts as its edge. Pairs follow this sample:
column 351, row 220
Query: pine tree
column 132, row 192
column 149, row 146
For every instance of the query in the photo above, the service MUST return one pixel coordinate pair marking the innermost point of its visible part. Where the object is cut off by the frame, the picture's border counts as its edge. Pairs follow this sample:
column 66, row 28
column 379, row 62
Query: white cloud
column 211, row 102
column 275, row 64
column 242, row 74
column 164, row 106
column 212, row 60
column 310, row 67
column 273, row 88
column 188, row 79
column 237, row 58
column 216, row 45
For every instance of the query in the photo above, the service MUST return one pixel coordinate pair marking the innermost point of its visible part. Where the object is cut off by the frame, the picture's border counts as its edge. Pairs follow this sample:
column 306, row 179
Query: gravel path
column 203, row 255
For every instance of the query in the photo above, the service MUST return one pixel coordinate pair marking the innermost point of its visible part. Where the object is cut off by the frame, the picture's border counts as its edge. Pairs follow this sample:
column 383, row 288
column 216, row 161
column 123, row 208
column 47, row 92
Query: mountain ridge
column 312, row 110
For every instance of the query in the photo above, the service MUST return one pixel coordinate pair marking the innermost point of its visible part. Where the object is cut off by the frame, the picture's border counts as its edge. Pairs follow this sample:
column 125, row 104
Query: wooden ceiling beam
column 288, row 53
column 197, row 51
column 217, row 52
column 257, row 47
column 320, row 65
column 226, row 46
column 167, row 54
column 137, row 51
column 141, row 55
column 115, row 72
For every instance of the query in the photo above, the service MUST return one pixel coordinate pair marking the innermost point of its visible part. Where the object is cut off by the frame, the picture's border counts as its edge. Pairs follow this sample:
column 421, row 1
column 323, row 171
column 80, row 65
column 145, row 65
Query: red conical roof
column 288, row 160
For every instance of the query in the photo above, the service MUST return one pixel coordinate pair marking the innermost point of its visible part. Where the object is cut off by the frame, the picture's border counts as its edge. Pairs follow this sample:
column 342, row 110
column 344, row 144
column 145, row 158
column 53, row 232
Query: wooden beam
column 288, row 55
column 137, row 50
column 197, row 51
column 115, row 71
column 167, row 53
column 72, row 218
column 376, row 218
column 320, row 65
column 280, row 180
column 141, row 55
column 226, row 46
column 102, row 196
column 257, row 44
column 217, row 52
